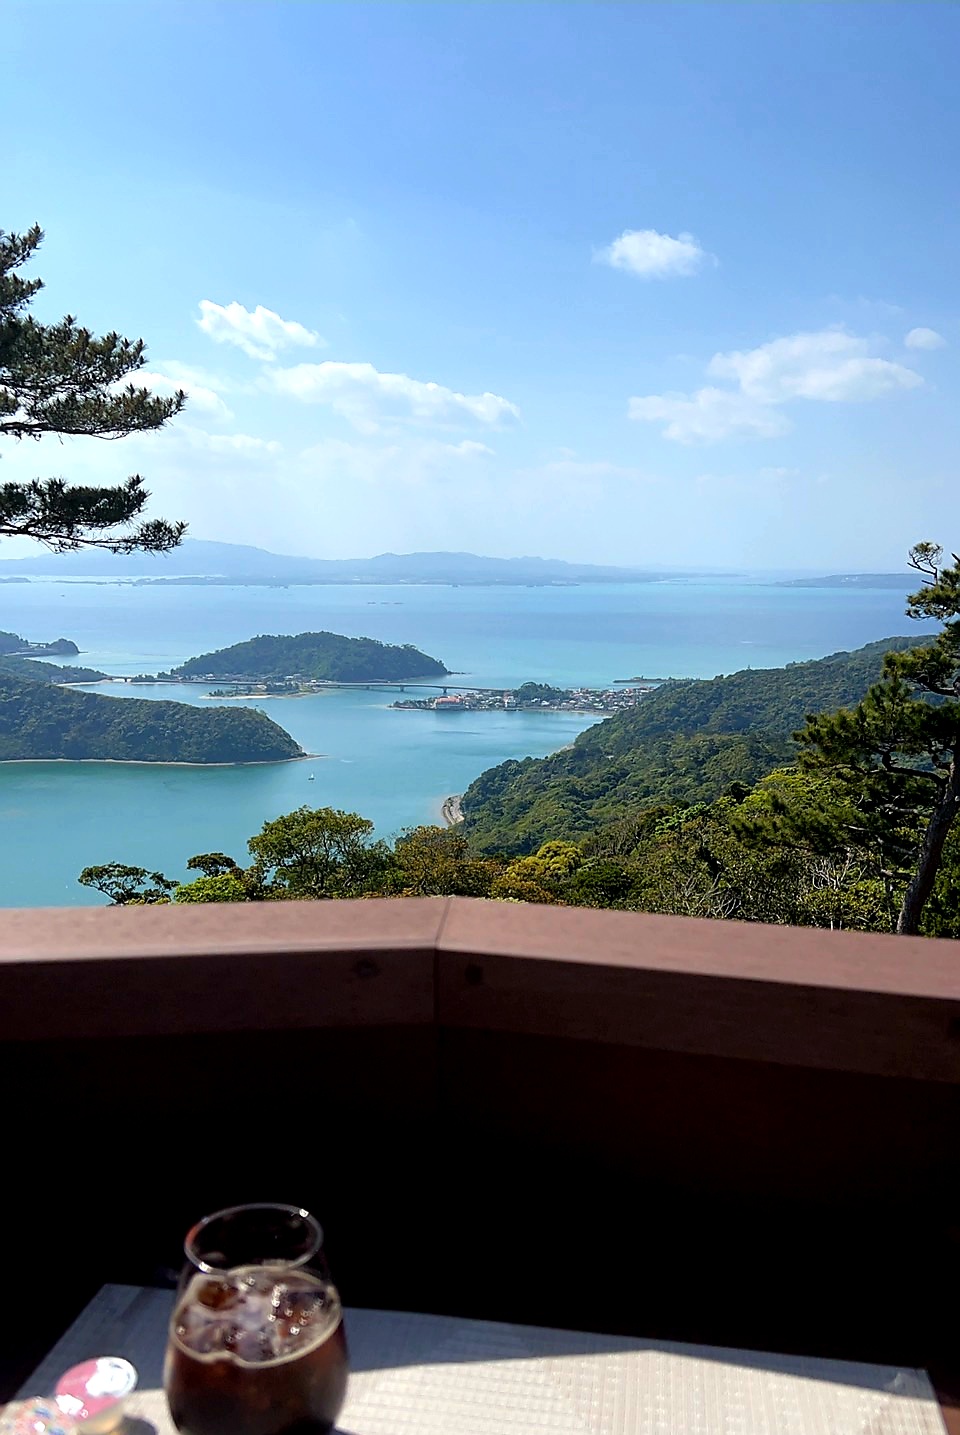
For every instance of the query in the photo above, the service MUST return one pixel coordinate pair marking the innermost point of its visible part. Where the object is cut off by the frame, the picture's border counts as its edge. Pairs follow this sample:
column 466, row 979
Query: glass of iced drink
column 256, row 1344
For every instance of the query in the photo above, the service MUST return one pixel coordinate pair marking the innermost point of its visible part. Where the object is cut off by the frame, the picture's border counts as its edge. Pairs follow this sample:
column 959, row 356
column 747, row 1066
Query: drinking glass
column 256, row 1343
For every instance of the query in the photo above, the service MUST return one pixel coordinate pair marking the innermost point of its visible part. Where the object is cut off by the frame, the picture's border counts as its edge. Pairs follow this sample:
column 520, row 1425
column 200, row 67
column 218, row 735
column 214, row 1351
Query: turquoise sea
column 394, row 767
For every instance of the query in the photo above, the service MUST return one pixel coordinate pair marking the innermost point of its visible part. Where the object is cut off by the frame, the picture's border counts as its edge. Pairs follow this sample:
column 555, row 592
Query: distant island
column 902, row 582
column 40, row 721
column 311, row 658
column 198, row 561
column 12, row 644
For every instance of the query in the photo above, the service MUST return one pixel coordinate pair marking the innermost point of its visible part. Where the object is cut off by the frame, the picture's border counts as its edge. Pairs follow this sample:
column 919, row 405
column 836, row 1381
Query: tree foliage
column 438, row 862
column 896, row 754
column 316, row 852
column 62, row 379
column 219, row 887
column 701, row 861
column 127, row 886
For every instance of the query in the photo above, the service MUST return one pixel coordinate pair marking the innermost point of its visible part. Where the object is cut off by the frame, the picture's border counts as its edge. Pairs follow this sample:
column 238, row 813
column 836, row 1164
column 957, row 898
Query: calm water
column 394, row 767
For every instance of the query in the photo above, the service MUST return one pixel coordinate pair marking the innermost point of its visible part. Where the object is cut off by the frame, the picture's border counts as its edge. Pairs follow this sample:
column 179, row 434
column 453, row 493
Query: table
column 432, row 1375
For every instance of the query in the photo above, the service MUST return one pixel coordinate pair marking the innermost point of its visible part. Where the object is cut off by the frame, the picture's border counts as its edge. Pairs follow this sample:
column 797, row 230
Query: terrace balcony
column 731, row 1135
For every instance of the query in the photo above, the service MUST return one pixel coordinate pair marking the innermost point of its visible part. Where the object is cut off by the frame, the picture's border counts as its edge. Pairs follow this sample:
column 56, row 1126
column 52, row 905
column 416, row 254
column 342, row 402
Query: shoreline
column 535, row 712
column 451, row 810
column 164, row 762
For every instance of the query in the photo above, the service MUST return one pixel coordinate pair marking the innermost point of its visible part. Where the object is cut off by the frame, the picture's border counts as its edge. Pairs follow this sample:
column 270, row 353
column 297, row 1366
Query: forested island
column 41, row 721
column 312, row 657
column 12, row 643
column 686, row 742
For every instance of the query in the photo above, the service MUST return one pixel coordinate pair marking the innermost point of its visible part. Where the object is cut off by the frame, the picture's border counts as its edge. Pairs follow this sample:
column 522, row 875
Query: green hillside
column 41, row 672
column 686, row 742
column 314, row 657
column 40, row 720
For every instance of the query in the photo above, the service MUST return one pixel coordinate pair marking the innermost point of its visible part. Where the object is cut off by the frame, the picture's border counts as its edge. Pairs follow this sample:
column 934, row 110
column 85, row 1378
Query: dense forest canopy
column 40, row 721
column 314, row 657
column 694, row 860
column 686, row 742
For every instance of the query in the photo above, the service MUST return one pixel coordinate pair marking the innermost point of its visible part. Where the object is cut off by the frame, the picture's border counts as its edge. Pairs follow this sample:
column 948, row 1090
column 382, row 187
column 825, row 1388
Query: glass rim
column 310, row 1221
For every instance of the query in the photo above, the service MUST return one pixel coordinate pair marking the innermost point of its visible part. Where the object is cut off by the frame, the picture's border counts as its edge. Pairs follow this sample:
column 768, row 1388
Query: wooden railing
column 736, row 1134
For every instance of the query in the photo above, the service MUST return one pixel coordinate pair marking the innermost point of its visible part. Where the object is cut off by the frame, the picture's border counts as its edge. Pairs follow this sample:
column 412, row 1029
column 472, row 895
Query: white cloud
column 925, row 339
column 469, row 448
column 653, row 255
column 241, row 444
column 779, row 471
column 364, row 395
column 193, row 374
column 587, row 471
column 408, row 462
column 830, row 366
column 199, row 396
column 708, row 415
column 261, row 334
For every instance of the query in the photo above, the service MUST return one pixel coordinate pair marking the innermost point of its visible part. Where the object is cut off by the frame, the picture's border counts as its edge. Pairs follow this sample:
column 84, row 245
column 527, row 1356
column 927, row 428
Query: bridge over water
column 376, row 685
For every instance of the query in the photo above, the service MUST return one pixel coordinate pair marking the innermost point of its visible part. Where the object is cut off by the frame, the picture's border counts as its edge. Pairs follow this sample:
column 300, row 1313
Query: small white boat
column 310, row 778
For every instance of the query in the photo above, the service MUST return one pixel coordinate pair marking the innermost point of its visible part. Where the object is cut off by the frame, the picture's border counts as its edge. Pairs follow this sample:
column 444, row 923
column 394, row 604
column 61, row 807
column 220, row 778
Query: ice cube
column 217, row 1293
column 206, row 1338
column 255, row 1347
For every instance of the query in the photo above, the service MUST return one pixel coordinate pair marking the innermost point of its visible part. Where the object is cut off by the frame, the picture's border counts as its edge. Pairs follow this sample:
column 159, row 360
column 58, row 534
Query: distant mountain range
column 198, row 560
column 201, row 561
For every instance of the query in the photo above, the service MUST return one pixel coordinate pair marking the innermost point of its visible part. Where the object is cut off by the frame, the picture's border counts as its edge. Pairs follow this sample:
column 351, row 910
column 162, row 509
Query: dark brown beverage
column 258, row 1350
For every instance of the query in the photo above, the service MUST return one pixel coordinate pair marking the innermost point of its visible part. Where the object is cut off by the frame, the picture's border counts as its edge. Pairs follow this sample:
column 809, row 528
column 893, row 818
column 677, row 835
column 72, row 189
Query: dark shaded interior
column 507, row 1176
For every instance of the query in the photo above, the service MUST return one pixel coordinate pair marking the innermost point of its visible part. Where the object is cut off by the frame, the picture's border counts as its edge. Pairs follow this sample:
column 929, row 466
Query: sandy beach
column 451, row 811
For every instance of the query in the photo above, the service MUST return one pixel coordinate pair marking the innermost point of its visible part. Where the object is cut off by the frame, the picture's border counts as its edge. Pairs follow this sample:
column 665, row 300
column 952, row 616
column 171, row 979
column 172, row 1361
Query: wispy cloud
column 586, row 471
column 779, row 472
column 925, row 339
column 193, row 374
column 830, row 366
column 244, row 445
column 261, row 333
column 365, row 396
column 199, row 396
column 410, row 461
column 708, row 415
column 652, row 255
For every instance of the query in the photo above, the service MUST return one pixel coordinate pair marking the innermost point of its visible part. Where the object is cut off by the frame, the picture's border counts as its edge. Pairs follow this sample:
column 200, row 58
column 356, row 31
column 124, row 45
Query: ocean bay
column 394, row 767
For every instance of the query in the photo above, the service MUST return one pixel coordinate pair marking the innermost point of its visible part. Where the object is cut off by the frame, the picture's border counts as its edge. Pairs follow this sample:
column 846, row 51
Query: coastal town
column 531, row 697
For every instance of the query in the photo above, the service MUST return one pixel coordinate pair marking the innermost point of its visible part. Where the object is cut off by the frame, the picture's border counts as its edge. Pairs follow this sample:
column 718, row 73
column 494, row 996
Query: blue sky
column 630, row 283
